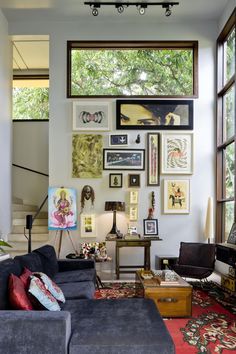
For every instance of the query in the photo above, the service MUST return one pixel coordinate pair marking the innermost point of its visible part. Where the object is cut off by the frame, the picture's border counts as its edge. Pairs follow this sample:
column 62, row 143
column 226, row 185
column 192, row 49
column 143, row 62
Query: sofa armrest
column 37, row 332
column 75, row 264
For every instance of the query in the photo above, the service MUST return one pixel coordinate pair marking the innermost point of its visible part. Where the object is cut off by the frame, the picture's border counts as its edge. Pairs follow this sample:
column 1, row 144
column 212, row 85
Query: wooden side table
column 142, row 242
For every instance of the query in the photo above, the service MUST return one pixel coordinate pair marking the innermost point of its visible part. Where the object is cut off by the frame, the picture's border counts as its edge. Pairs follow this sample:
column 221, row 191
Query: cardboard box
column 228, row 282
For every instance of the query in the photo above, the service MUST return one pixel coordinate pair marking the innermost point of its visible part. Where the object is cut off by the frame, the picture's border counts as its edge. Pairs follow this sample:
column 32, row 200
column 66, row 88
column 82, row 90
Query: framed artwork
column 133, row 213
column 177, row 153
column 88, row 225
column 115, row 180
column 134, row 180
column 118, row 140
column 125, row 159
column 87, row 156
column 154, row 114
column 232, row 235
column 150, row 227
column 153, row 156
column 91, row 115
column 62, row 210
column 133, row 197
column 176, row 196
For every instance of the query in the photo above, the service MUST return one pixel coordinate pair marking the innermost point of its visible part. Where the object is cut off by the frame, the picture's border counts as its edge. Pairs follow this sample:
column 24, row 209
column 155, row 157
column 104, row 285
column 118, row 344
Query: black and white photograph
column 125, row 159
column 150, row 227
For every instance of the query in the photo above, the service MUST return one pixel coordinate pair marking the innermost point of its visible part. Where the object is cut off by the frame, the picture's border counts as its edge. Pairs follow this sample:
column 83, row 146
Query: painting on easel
column 62, row 211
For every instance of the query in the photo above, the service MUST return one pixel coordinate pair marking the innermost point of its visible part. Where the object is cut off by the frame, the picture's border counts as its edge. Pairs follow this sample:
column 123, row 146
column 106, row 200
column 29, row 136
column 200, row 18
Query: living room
column 189, row 21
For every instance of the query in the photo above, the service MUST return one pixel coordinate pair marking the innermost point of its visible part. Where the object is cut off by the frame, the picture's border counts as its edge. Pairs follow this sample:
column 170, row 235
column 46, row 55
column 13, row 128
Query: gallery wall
column 172, row 228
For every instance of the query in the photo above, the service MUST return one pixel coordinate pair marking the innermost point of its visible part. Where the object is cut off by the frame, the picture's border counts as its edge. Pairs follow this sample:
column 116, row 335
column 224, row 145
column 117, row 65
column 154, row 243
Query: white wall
column 30, row 150
column 226, row 14
column 5, row 128
column 172, row 228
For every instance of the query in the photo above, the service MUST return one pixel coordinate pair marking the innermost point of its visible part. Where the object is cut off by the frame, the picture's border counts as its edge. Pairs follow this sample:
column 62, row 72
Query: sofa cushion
column 6, row 268
column 32, row 261
column 52, row 287
column 127, row 326
column 18, row 297
column 75, row 276
column 42, row 295
column 49, row 259
column 78, row 290
column 25, row 277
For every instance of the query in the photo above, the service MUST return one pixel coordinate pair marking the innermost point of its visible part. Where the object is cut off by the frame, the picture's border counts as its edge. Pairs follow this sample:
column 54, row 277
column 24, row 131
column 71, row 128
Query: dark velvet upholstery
column 196, row 260
column 78, row 290
column 6, row 268
column 126, row 326
column 49, row 260
column 75, row 264
column 74, row 276
column 32, row 261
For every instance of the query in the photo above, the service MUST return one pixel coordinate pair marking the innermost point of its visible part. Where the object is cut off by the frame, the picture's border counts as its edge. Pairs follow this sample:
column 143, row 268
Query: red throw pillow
column 17, row 295
column 25, row 277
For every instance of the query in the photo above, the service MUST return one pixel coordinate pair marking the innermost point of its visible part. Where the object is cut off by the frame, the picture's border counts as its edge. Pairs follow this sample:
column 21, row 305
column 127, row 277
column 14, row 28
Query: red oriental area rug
column 212, row 327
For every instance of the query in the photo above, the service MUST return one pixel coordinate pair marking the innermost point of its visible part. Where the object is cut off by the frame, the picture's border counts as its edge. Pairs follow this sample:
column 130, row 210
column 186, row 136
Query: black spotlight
column 168, row 11
column 94, row 10
column 120, row 9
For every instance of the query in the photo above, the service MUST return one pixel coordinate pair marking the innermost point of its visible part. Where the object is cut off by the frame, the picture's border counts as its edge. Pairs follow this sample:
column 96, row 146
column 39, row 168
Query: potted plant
column 3, row 244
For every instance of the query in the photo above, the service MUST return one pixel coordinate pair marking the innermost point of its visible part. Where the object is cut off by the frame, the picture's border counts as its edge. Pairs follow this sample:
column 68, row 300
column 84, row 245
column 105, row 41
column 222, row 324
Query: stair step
column 23, row 246
column 37, row 229
column 21, row 238
column 22, row 214
column 36, row 222
column 24, row 207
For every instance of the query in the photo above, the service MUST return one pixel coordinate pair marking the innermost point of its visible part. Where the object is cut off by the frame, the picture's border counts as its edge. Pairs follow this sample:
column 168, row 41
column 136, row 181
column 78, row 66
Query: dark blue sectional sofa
column 85, row 325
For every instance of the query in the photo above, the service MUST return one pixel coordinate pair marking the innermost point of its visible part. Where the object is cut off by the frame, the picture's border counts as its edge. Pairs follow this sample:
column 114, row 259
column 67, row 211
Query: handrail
column 39, row 209
column 29, row 169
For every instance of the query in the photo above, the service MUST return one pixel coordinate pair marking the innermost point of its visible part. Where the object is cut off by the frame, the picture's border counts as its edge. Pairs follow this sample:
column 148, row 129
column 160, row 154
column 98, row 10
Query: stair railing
column 30, row 218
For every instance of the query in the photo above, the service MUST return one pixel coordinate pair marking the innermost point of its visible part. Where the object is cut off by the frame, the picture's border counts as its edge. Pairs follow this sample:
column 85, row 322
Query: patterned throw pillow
column 25, row 277
column 51, row 286
column 42, row 295
column 18, row 297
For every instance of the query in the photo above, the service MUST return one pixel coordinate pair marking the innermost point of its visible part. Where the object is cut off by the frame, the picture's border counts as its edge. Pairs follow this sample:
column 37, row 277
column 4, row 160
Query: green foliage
column 129, row 72
column 4, row 244
column 31, row 103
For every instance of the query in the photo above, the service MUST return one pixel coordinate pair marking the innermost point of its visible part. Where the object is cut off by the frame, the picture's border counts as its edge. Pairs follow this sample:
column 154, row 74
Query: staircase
column 39, row 232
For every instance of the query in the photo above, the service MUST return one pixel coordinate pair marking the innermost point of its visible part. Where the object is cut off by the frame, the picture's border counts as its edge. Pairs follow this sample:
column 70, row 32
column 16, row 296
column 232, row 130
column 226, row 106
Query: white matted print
column 91, row 115
column 133, row 213
column 177, row 153
column 88, row 225
column 176, row 196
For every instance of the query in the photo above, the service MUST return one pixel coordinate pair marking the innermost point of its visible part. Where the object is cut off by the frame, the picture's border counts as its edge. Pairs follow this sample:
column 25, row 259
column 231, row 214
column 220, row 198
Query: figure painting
column 62, row 214
column 176, row 196
column 87, row 156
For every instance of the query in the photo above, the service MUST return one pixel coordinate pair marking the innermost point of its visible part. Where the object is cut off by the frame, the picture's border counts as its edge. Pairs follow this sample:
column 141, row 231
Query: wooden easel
column 60, row 240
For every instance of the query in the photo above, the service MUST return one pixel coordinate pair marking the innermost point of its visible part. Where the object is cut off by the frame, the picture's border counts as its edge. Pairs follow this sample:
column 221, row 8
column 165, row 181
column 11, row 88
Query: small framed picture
column 88, row 225
column 232, row 235
column 133, row 213
column 133, row 197
column 123, row 159
column 134, row 180
column 150, row 227
column 118, row 140
column 176, row 196
column 115, row 180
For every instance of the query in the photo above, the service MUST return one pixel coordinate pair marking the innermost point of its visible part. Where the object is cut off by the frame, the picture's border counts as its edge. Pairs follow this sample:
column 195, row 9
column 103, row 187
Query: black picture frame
column 232, row 235
column 118, row 140
column 123, row 159
column 115, row 180
column 134, row 180
column 150, row 227
column 154, row 114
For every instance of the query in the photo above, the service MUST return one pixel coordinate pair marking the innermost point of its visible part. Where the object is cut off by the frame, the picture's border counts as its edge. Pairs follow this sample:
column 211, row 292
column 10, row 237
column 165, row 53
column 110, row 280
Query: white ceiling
column 25, row 10
column 32, row 52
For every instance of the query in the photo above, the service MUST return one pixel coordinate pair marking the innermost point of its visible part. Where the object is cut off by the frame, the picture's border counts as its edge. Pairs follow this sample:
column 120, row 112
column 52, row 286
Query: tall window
column 143, row 69
column 30, row 98
column 226, row 65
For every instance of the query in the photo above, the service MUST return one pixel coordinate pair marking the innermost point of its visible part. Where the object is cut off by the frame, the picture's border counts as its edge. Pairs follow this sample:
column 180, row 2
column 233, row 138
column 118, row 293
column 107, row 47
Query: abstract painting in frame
column 177, row 153
column 87, row 156
column 62, row 210
column 176, row 196
column 125, row 159
column 154, row 114
column 91, row 115
column 153, row 156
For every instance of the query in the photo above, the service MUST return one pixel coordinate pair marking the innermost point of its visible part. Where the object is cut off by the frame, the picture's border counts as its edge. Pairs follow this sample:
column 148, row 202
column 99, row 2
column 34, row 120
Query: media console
column 226, row 253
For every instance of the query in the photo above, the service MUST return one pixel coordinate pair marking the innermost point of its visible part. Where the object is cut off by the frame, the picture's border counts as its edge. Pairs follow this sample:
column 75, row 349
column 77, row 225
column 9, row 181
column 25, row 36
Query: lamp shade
column 209, row 227
column 114, row 206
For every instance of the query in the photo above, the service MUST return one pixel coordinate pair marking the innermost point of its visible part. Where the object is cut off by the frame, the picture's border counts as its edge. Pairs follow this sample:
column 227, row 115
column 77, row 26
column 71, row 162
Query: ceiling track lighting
column 121, row 5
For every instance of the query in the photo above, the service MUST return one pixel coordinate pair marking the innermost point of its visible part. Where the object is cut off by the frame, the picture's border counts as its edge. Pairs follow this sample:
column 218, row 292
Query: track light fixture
column 141, row 6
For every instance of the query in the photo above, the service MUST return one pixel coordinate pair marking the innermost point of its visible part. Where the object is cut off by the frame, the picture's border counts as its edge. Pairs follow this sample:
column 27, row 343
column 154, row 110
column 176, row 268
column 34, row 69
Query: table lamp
column 114, row 206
